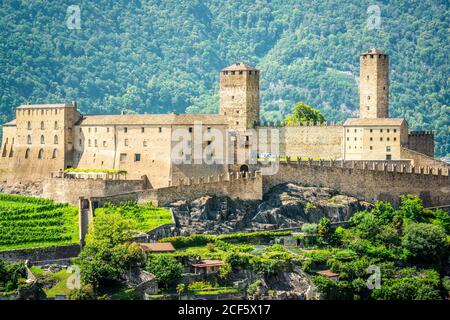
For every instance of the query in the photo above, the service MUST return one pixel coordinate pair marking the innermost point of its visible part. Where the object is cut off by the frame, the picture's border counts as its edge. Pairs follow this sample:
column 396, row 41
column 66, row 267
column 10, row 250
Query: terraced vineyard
column 27, row 222
column 143, row 217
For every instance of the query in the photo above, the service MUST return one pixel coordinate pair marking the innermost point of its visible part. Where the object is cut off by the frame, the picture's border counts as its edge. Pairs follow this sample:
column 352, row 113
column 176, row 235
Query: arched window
column 55, row 153
column 56, row 125
column 42, row 125
column 27, row 153
column 41, row 154
column 29, row 125
column 29, row 139
column 55, row 139
column 42, row 139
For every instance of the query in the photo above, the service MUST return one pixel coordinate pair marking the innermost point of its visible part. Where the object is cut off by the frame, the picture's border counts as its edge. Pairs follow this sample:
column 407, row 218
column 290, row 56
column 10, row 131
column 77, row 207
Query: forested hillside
column 164, row 55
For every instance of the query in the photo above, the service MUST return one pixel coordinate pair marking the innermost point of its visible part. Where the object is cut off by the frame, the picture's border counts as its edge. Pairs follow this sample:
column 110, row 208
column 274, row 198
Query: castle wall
column 42, row 137
column 422, row 160
column 70, row 190
column 238, row 186
column 422, row 142
column 371, row 185
column 141, row 150
column 312, row 141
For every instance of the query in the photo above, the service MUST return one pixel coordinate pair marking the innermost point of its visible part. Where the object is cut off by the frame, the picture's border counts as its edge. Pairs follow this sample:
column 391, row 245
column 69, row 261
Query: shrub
column 309, row 228
column 166, row 269
column 426, row 242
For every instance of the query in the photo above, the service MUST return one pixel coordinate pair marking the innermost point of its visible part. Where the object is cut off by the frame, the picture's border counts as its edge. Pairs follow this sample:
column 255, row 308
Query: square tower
column 374, row 84
column 239, row 96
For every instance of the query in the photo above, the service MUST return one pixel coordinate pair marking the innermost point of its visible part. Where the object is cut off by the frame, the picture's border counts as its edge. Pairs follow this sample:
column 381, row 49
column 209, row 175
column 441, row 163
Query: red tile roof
column 208, row 263
column 328, row 273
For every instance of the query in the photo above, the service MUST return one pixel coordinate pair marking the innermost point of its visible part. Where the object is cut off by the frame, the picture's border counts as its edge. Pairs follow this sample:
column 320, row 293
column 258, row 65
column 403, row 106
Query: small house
column 329, row 274
column 207, row 266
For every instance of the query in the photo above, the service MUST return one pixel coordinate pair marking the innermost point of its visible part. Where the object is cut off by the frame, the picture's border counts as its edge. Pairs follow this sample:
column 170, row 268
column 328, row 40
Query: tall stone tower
column 374, row 84
column 239, row 96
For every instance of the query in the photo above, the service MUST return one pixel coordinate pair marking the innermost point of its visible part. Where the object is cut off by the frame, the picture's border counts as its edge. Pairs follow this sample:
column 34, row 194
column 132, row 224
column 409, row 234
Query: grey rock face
column 285, row 206
column 26, row 188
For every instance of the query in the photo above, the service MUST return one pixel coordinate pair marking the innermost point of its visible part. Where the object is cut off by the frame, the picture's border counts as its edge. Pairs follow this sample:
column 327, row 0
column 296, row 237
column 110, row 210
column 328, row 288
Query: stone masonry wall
column 41, row 254
column 387, row 182
column 422, row 160
column 70, row 190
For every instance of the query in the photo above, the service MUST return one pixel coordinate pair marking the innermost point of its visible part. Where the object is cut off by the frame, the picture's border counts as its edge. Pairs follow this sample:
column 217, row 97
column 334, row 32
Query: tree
column 166, row 269
column 325, row 231
column 443, row 219
column 412, row 208
column 107, row 254
column 426, row 242
column 303, row 113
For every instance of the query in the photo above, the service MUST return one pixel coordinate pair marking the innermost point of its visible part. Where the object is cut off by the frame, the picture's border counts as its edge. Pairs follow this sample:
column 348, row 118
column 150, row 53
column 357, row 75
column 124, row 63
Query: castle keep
column 44, row 140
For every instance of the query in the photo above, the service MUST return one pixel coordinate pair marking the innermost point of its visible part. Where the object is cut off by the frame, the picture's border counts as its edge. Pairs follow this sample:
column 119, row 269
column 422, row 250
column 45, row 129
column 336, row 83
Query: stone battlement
column 385, row 166
column 421, row 133
column 232, row 177
column 274, row 124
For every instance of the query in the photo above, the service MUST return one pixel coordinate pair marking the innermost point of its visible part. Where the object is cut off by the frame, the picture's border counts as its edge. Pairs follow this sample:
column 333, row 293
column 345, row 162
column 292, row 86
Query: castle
column 167, row 148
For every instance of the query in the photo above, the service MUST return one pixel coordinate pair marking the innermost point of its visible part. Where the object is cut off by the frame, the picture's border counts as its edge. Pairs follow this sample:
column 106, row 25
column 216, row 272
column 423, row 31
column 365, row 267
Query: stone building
column 168, row 147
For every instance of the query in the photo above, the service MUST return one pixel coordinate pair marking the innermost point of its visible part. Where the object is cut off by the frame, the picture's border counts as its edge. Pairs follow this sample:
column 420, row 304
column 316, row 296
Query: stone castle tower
column 239, row 96
column 374, row 84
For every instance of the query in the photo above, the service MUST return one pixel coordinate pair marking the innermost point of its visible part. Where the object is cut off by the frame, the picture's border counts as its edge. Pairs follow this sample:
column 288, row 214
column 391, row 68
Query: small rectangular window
column 142, row 129
column 190, row 129
column 137, row 157
column 145, row 143
column 95, row 142
column 371, row 147
column 160, row 129
column 125, row 129
column 123, row 157
column 381, row 138
column 381, row 130
column 126, row 142
column 107, row 129
column 388, row 149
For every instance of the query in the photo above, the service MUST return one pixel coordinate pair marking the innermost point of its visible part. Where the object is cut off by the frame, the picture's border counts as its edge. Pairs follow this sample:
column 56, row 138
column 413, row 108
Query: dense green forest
column 159, row 56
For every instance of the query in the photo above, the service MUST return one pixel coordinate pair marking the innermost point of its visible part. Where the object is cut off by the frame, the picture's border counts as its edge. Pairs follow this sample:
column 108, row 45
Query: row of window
column 55, row 139
column 241, row 72
column 371, row 139
column 388, row 148
column 42, row 125
column 125, row 129
column 41, row 154
column 381, row 130
column 32, row 111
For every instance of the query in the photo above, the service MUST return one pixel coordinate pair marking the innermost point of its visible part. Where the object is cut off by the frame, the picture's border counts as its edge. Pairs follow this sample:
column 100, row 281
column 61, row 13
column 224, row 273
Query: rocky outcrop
column 284, row 206
column 292, row 285
column 23, row 188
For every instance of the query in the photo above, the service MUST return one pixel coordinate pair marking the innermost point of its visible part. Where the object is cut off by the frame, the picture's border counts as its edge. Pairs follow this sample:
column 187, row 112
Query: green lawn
column 28, row 222
column 144, row 217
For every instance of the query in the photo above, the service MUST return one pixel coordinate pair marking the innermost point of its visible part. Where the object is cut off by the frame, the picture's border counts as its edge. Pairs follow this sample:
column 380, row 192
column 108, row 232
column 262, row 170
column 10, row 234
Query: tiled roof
column 374, row 122
column 149, row 119
column 208, row 263
column 159, row 247
column 239, row 66
column 328, row 273
column 10, row 124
